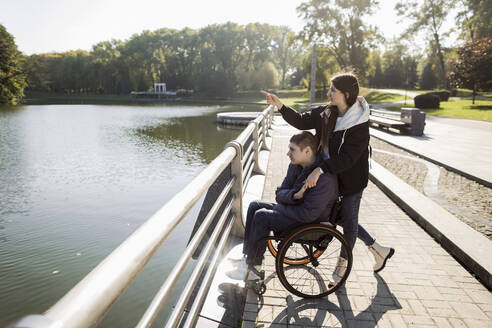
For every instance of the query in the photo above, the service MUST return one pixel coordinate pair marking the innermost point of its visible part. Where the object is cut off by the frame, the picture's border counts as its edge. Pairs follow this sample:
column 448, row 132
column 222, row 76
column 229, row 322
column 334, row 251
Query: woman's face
column 337, row 97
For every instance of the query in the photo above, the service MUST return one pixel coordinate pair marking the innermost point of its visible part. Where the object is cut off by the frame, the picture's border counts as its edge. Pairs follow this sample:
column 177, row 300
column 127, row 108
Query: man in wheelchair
column 296, row 204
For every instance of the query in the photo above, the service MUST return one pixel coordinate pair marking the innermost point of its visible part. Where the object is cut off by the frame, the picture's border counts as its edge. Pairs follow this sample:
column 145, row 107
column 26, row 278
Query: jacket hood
column 358, row 113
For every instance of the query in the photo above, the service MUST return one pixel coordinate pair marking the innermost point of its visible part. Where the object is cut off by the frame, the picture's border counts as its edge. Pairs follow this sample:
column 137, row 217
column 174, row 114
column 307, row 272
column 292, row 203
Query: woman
column 342, row 129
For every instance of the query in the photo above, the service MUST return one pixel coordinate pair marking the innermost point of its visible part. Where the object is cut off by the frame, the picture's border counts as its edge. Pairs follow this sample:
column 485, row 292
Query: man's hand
column 272, row 99
column 312, row 178
column 298, row 195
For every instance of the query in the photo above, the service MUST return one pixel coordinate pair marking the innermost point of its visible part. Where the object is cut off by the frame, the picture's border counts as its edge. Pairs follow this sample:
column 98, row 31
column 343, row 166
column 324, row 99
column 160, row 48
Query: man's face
column 298, row 156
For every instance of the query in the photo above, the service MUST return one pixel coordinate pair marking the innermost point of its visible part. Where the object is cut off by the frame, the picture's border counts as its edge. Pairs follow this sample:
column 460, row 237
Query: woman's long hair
column 347, row 83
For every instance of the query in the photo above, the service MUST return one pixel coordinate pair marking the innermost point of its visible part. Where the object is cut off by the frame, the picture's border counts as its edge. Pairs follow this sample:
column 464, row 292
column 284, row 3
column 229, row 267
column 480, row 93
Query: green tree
column 287, row 52
column 340, row 27
column 428, row 79
column 399, row 68
column 374, row 70
column 427, row 15
column 326, row 67
column 472, row 69
column 104, row 70
column 12, row 76
column 473, row 18
column 216, row 60
column 220, row 58
column 257, row 46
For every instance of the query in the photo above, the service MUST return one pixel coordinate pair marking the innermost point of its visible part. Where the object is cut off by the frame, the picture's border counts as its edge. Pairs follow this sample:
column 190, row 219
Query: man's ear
column 347, row 95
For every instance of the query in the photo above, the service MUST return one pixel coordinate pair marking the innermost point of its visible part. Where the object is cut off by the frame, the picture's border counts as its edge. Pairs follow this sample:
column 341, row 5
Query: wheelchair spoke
column 319, row 246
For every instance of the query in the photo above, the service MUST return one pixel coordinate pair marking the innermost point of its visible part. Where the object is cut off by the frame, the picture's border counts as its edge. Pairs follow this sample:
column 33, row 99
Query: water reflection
column 193, row 135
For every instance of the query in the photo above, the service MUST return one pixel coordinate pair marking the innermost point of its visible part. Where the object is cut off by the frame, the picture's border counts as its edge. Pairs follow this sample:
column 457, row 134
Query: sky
column 41, row 26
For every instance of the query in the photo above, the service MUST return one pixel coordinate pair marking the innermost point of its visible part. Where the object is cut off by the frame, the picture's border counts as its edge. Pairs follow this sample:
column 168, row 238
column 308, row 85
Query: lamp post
column 313, row 74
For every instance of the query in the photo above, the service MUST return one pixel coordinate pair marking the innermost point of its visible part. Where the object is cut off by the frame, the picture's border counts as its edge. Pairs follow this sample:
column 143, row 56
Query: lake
column 77, row 180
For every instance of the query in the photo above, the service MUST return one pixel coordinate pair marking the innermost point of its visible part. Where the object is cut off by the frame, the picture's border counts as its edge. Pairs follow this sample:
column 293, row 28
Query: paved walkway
column 410, row 95
column 458, row 143
column 421, row 286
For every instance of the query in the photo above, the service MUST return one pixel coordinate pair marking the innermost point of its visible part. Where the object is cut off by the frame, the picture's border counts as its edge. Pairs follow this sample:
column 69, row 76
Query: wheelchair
column 305, row 259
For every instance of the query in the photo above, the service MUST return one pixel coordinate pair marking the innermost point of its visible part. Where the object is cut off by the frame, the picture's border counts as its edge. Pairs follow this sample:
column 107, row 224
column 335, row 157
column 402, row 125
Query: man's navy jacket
column 317, row 202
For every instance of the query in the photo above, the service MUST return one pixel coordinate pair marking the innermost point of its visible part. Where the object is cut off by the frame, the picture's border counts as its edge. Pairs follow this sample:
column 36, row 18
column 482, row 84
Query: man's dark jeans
column 260, row 220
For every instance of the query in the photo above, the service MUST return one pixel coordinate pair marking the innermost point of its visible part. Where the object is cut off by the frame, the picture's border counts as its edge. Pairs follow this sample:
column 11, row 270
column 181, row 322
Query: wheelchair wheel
column 291, row 259
column 312, row 279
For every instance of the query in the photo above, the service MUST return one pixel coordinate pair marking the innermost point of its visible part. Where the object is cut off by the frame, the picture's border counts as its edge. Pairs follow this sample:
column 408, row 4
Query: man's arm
column 285, row 193
column 316, row 200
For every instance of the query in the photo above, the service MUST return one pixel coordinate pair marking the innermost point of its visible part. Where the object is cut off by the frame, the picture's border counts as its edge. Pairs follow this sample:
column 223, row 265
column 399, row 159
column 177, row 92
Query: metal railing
column 87, row 303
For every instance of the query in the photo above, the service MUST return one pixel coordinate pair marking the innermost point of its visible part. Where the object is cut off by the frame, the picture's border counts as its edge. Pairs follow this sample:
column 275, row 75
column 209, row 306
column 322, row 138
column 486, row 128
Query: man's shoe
column 381, row 255
column 339, row 271
column 255, row 273
column 239, row 271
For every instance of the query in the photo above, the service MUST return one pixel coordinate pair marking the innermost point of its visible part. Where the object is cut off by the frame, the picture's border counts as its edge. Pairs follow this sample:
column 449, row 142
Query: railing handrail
column 87, row 302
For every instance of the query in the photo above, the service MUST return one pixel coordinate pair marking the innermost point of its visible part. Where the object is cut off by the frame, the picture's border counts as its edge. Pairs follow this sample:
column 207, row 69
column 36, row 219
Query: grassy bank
column 376, row 97
column 302, row 96
column 34, row 96
column 463, row 108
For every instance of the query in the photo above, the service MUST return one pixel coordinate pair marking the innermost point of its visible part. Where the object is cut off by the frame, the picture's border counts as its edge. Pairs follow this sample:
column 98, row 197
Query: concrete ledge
column 237, row 118
column 470, row 247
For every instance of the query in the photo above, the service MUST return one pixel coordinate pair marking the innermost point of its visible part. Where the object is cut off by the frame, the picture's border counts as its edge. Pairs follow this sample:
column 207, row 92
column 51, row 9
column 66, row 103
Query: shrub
column 442, row 94
column 184, row 93
column 427, row 101
column 454, row 92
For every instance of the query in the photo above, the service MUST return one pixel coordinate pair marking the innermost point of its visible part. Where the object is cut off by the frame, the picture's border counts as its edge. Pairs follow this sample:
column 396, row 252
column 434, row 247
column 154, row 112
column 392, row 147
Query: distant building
column 160, row 87
column 159, row 92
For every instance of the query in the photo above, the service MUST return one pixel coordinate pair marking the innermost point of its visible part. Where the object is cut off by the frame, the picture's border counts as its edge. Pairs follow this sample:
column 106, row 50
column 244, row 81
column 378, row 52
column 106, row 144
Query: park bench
column 407, row 121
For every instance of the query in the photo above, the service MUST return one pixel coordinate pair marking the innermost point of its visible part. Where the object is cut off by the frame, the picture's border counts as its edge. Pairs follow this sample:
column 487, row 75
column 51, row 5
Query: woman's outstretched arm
column 302, row 121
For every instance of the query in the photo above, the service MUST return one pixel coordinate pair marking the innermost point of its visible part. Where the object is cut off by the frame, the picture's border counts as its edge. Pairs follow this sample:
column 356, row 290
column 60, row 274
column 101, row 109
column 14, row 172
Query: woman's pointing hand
column 272, row 99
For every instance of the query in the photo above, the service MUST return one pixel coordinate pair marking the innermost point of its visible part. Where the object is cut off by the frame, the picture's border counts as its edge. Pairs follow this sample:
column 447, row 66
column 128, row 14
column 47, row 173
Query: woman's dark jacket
column 348, row 148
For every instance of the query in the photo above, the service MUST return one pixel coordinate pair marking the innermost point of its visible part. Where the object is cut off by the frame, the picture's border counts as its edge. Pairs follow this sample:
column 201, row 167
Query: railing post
column 237, row 190
column 256, row 140
column 270, row 119
column 265, row 124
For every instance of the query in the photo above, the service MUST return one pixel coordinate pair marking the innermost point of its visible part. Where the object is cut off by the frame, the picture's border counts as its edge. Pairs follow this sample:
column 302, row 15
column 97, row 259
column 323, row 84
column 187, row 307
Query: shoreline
column 39, row 99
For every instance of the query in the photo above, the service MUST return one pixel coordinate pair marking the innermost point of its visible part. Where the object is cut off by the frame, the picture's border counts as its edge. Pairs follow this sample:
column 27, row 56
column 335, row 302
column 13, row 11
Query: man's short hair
column 305, row 139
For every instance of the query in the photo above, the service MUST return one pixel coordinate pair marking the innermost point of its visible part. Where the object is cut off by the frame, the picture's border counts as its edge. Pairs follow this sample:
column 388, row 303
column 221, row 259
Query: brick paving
column 421, row 286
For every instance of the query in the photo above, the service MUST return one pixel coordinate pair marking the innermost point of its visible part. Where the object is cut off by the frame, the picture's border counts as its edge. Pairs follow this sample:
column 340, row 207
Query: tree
column 287, row 51
column 427, row 15
column 374, row 70
column 12, row 76
column 399, row 68
column 473, row 18
column 472, row 69
column 428, row 79
column 340, row 27
column 216, row 60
